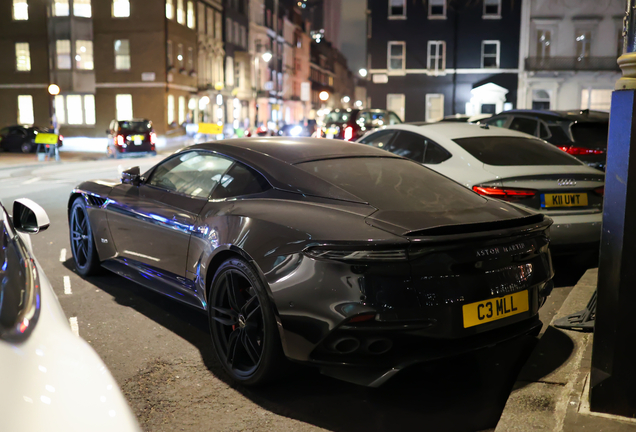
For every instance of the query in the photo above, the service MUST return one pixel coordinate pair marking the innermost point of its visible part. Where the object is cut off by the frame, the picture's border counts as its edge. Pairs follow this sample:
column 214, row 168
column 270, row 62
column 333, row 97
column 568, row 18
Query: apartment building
column 433, row 58
column 210, row 107
column 568, row 54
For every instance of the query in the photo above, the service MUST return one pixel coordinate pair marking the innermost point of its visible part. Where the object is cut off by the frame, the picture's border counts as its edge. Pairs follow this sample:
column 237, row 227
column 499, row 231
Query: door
column 152, row 223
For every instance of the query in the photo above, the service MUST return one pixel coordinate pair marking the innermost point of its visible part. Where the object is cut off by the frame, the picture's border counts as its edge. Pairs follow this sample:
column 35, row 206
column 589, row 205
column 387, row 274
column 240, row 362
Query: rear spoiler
column 479, row 227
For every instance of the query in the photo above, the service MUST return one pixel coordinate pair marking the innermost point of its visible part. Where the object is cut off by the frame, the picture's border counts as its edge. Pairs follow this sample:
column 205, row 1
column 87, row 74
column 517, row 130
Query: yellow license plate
column 565, row 200
column 332, row 131
column 497, row 308
column 137, row 139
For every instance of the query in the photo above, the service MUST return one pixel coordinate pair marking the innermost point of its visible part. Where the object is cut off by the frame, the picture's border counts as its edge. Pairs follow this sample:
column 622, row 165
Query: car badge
column 566, row 182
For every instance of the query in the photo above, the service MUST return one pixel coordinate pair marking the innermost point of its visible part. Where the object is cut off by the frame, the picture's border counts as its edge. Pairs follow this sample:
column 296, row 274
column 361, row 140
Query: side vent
column 95, row 201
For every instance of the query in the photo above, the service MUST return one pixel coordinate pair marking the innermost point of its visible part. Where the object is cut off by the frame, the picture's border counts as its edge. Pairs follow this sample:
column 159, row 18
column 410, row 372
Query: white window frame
column 389, row 58
column 429, row 56
column 430, row 9
column 20, row 10
column 124, row 12
column 61, row 8
column 25, row 113
column 22, row 57
column 120, row 99
column 69, row 54
column 122, row 56
column 498, row 55
column 430, row 96
column 492, row 16
column 88, row 65
column 397, row 17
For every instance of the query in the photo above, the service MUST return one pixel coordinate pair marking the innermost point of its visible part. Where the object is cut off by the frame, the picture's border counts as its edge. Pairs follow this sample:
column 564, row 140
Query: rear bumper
column 571, row 230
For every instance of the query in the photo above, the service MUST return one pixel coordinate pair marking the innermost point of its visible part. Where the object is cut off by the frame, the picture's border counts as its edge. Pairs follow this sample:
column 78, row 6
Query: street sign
column 46, row 138
column 305, row 91
column 380, row 78
column 148, row 76
column 210, row 128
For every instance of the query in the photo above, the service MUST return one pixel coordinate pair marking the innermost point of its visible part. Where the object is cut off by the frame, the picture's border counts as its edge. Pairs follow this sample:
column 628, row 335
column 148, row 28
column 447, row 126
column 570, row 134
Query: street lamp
column 267, row 56
column 346, row 99
column 54, row 90
column 323, row 96
column 363, row 72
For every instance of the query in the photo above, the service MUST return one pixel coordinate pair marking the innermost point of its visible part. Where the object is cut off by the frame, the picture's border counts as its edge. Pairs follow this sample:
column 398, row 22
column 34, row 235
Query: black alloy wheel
column 26, row 148
column 82, row 244
column 243, row 327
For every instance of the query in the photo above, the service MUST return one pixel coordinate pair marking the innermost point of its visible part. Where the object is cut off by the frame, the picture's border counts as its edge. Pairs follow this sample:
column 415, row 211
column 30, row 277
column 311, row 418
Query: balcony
column 571, row 64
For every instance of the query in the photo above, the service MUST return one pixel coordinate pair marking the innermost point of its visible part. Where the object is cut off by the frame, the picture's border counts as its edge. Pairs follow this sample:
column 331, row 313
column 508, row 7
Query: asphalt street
column 160, row 353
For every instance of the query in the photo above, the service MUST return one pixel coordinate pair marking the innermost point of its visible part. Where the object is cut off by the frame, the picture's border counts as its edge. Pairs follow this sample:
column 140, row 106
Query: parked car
column 582, row 134
column 351, row 124
column 333, row 254
column 513, row 167
column 131, row 137
column 51, row 379
column 22, row 138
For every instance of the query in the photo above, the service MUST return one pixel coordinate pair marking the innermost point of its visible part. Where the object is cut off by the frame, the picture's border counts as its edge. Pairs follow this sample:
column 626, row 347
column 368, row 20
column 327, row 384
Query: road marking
column 33, row 180
column 74, row 325
column 63, row 255
column 67, row 285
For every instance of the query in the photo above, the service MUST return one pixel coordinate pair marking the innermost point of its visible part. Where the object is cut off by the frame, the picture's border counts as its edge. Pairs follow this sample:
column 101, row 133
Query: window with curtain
column 25, row 110
column 84, row 54
column 82, row 8
column 20, row 10
column 121, row 8
column 122, row 54
column 63, row 53
column 124, row 106
column 61, row 8
column 22, row 57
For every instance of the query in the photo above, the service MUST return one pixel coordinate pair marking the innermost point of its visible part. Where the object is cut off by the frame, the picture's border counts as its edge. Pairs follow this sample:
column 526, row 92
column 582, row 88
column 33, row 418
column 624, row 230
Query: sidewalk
column 551, row 392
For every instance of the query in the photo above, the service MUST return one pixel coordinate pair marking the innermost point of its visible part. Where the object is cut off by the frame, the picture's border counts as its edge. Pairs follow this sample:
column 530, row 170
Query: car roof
column 574, row 115
column 454, row 130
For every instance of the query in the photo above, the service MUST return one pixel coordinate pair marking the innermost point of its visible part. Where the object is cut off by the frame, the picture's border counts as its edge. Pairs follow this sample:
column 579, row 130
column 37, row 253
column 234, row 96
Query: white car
column 50, row 379
column 513, row 166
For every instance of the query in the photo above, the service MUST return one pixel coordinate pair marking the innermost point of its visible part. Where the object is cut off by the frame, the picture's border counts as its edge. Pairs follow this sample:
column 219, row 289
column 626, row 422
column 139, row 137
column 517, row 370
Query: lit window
column 60, row 8
column 82, row 8
column 436, row 56
column 180, row 55
column 190, row 15
column 121, row 8
column 397, row 56
column 89, row 109
column 84, row 54
column 74, row 109
column 583, row 44
column 436, row 9
column 124, row 106
column 169, row 58
column 20, row 10
column 181, row 110
column 434, row 107
column 490, row 54
column 596, row 99
column 169, row 9
column 122, row 54
column 170, row 109
column 492, row 9
column 63, row 51
column 397, row 9
column 180, row 12
column 25, row 110
column 60, row 111
column 22, row 57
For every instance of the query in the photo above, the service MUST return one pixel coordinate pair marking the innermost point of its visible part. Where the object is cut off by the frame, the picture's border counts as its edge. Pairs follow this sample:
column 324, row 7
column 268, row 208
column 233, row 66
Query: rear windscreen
column 135, row 126
column 590, row 134
column 516, row 151
column 394, row 184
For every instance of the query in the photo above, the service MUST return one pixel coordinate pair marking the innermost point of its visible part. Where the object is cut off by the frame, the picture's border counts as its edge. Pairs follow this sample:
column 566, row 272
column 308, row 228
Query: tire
column 82, row 241
column 26, row 148
column 247, row 342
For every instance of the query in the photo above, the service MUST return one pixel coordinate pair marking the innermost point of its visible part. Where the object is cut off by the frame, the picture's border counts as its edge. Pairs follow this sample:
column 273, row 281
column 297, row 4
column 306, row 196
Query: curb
column 552, row 380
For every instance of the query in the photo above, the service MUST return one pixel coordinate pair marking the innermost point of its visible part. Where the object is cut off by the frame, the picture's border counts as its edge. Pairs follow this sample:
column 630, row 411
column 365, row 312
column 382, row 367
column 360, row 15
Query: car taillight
column 362, row 317
column 61, row 137
column 506, row 194
column 120, row 140
column 153, row 138
column 356, row 255
column 579, row 151
column 600, row 191
column 348, row 133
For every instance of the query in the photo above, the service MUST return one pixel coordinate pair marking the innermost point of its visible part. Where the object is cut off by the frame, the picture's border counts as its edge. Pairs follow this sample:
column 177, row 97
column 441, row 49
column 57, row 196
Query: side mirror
column 131, row 176
column 29, row 217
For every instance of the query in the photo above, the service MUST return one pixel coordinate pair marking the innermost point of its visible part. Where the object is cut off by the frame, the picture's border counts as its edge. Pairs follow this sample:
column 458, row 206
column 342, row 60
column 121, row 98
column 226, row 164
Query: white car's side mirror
column 29, row 217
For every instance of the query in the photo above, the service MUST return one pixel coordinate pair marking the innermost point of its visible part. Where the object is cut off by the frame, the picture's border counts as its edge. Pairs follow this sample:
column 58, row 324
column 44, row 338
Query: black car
column 22, row 138
column 131, row 137
column 337, row 255
column 351, row 124
column 583, row 134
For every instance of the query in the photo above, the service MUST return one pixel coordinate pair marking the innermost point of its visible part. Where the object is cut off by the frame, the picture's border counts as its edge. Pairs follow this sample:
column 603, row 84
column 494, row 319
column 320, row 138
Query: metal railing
column 571, row 63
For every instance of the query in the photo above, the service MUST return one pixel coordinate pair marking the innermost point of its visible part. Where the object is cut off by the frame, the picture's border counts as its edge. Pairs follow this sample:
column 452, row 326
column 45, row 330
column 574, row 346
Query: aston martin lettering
column 499, row 249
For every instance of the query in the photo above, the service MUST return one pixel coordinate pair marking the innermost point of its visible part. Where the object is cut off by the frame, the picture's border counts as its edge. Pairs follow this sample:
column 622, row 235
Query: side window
column 524, row 125
column 409, row 145
column 240, row 180
column 497, row 122
column 394, row 119
column 192, row 173
column 379, row 139
column 435, row 153
column 544, row 133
